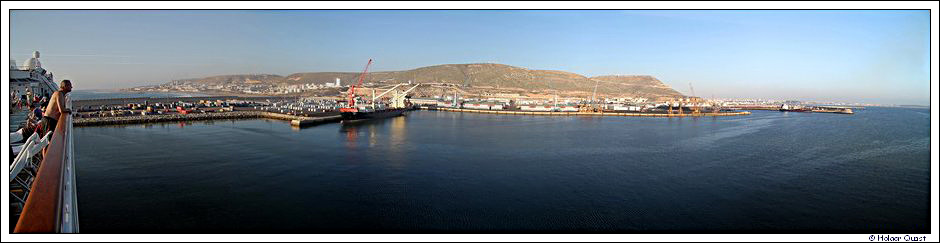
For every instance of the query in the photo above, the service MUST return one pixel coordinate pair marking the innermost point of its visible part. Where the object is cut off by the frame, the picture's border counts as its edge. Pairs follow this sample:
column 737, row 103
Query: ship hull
column 366, row 115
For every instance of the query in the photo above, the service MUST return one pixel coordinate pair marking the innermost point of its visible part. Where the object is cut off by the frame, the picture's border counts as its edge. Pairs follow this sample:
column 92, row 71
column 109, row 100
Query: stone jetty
column 119, row 120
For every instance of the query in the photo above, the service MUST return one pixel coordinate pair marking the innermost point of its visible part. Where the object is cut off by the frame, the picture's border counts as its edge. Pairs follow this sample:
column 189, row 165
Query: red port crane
column 351, row 100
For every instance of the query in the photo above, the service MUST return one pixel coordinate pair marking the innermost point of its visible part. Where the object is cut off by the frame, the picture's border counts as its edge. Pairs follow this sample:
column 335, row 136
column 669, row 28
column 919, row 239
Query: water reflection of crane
column 396, row 134
column 351, row 134
column 351, row 129
column 372, row 139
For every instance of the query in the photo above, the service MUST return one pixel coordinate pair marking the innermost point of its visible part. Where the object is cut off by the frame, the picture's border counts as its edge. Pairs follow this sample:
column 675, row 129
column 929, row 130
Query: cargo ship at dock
column 836, row 110
column 371, row 114
column 817, row 109
column 354, row 111
column 795, row 108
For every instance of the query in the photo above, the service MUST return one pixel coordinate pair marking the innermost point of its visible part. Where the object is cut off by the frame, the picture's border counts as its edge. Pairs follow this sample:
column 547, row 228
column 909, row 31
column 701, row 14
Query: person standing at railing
column 14, row 102
column 29, row 96
column 56, row 107
column 22, row 100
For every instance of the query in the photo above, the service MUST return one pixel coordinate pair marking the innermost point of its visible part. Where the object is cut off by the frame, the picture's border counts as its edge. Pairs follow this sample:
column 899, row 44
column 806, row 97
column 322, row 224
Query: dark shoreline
column 123, row 120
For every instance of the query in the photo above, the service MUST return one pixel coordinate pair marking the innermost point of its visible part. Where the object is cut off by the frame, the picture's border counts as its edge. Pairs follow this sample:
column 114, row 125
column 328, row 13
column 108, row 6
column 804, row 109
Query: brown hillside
column 236, row 79
column 482, row 76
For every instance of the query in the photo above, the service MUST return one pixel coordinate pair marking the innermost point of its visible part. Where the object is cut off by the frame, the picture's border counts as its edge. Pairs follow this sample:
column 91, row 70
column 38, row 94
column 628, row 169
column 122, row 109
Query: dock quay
column 544, row 113
column 298, row 121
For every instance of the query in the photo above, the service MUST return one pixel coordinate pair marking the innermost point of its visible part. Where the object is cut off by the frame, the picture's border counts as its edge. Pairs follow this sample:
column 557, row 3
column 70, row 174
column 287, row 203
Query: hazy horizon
column 845, row 56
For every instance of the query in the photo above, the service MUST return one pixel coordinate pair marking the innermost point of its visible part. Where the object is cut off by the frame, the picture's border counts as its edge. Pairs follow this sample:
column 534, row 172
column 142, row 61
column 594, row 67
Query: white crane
column 398, row 101
column 694, row 109
column 375, row 97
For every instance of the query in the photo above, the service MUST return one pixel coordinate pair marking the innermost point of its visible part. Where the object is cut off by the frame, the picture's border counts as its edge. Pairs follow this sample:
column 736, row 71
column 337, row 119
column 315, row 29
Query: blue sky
column 852, row 56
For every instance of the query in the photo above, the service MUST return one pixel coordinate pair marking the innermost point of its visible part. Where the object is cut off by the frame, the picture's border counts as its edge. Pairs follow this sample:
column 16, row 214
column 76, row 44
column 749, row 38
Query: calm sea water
column 455, row 172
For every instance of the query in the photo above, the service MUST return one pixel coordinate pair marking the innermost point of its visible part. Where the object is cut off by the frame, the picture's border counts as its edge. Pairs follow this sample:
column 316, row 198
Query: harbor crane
column 375, row 97
column 351, row 100
column 398, row 101
column 594, row 95
column 694, row 107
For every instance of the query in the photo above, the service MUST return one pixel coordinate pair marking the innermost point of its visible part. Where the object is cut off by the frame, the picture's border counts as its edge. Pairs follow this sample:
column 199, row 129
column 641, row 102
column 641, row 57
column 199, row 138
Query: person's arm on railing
column 61, row 102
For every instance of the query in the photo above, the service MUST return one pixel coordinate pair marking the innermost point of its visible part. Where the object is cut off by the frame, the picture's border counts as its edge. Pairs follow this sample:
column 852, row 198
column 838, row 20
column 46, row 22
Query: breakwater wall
column 545, row 113
column 120, row 120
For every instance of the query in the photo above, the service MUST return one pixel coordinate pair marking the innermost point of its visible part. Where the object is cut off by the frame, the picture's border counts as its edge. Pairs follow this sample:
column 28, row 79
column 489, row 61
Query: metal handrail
column 69, row 208
column 51, row 205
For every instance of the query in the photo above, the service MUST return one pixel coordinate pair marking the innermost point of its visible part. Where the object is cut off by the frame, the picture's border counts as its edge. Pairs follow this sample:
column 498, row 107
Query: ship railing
column 51, row 206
